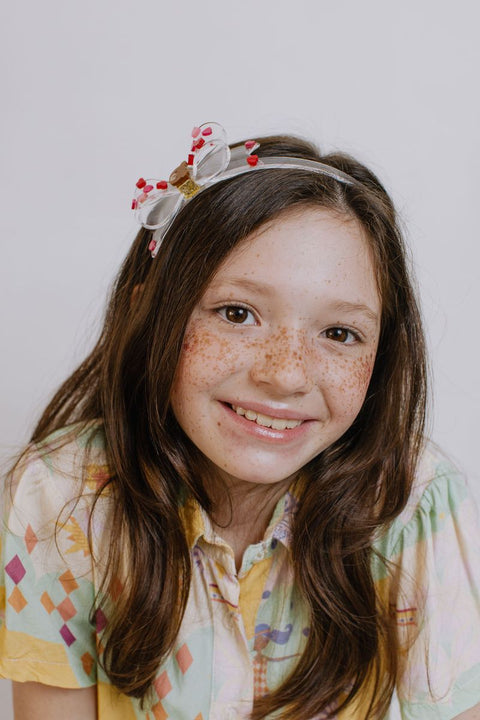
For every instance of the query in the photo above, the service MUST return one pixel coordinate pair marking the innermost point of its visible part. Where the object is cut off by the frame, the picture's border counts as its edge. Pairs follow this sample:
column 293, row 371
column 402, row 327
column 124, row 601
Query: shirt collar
column 197, row 523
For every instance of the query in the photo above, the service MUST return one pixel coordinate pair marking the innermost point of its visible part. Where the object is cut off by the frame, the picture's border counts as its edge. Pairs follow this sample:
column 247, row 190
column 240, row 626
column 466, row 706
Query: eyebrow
column 344, row 306
column 246, row 284
column 341, row 306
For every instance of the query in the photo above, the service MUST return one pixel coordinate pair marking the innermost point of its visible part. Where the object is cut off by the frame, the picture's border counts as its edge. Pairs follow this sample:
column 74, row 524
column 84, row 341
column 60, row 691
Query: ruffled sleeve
column 47, row 585
column 435, row 594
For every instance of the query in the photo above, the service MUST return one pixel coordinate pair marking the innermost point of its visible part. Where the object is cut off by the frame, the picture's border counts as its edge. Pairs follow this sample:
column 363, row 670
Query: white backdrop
column 96, row 94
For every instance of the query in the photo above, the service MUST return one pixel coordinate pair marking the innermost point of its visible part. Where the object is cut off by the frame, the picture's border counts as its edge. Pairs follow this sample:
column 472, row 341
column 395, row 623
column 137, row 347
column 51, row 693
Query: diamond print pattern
column 184, row 658
column 87, row 663
column 162, row 685
column 30, row 539
column 15, row 569
column 67, row 609
column 67, row 635
column 16, row 600
column 159, row 712
column 68, row 582
column 47, row 603
column 100, row 620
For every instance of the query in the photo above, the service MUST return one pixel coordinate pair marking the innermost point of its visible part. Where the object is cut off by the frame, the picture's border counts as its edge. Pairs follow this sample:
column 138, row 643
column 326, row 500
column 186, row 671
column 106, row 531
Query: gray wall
column 98, row 94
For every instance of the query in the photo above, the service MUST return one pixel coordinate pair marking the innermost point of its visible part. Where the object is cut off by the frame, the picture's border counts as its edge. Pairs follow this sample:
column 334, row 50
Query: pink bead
column 152, row 245
column 250, row 144
column 207, row 131
column 195, row 132
column 142, row 198
column 147, row 189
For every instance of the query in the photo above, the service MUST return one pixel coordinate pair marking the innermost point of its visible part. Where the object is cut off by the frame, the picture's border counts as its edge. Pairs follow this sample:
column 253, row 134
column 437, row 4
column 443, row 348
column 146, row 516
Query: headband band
column 210, row 160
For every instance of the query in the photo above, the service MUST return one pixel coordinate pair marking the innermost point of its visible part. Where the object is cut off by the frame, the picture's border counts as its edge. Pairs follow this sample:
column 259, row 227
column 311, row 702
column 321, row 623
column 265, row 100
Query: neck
column 242, row 511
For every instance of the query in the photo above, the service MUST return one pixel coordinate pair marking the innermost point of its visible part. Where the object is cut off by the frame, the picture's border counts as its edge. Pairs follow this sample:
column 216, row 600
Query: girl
column 229, row 510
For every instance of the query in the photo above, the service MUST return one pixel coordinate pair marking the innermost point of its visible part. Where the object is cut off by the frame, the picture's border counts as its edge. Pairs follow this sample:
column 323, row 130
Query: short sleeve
column 47, row 582
column 435, row 595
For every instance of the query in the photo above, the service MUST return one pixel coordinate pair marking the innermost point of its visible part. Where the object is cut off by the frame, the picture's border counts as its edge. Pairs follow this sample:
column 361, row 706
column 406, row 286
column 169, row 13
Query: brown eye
column 341, row 335
column 237, row 314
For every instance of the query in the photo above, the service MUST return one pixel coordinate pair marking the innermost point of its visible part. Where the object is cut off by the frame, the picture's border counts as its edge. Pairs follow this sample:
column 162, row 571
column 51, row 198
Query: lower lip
column 265, row 433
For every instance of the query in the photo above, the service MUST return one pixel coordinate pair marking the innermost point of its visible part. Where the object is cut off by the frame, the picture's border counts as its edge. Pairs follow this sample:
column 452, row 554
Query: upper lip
column 274, row 411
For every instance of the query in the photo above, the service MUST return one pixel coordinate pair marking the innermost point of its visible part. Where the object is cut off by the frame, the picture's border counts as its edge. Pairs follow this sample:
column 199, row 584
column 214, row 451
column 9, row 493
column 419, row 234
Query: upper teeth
column 267, row 420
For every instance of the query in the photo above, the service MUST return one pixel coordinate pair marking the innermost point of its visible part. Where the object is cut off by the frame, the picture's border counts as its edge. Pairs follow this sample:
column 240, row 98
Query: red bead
column 191, row 158
column 200, row 143
column 252, row 160
column 141, row 183
column 152, row 245
column 162, row 185
column 207, row 131
column 250, row 144
column 134, row 204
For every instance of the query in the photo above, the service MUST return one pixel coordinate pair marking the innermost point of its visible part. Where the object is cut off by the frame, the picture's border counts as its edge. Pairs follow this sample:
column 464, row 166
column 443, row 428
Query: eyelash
column 222, row 311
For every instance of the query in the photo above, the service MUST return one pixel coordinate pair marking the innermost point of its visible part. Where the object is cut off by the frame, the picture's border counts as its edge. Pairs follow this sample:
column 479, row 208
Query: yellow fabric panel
column 112, row 705
column 252, row 586
column 191, row 516
column 18, row 660
column 352, row 712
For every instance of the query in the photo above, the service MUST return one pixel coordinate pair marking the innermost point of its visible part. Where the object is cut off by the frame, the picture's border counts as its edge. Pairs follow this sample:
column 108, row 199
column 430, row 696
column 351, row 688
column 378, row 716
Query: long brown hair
column 356, row 486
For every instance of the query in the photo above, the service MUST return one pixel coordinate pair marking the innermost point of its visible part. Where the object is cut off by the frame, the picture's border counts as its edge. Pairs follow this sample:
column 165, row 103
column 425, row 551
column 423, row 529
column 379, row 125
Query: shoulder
column 64, row 457
column 438, row 484
column 56, row 479
column 440, row 498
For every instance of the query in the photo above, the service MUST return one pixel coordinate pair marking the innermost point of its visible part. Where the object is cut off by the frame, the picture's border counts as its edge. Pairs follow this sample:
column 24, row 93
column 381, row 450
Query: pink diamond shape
column 67, row 609
column 67, row 635
column 100, row 620
column 184, row 658
column 30, row 539
column 162, row 685
column 15, row 569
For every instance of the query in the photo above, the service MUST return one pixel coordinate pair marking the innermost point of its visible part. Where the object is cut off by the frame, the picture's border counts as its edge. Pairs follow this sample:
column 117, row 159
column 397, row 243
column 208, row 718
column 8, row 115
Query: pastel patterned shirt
column 242, row 632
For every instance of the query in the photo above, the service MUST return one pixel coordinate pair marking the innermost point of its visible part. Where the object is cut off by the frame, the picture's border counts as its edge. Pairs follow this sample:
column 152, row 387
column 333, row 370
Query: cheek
column 204, row 359
column 347, row 380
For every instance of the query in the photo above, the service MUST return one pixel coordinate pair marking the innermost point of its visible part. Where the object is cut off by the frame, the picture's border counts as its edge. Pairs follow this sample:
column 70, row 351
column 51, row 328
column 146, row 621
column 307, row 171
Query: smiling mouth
column 266, row 420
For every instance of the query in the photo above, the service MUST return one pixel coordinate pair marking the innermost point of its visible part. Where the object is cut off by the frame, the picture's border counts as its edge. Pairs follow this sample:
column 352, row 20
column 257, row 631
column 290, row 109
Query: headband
column 210, row 160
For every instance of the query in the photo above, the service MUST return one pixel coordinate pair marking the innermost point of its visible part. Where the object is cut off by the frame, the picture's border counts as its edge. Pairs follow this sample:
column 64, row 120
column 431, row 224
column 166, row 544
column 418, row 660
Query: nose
column 283, row 364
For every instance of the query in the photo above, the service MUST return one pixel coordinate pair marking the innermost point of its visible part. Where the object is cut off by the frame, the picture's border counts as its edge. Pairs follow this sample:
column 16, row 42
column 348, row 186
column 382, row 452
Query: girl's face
column 279, row 352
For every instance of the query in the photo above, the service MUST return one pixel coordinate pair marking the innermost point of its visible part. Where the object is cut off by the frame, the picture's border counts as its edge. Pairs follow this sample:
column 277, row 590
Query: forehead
column 305, row 251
